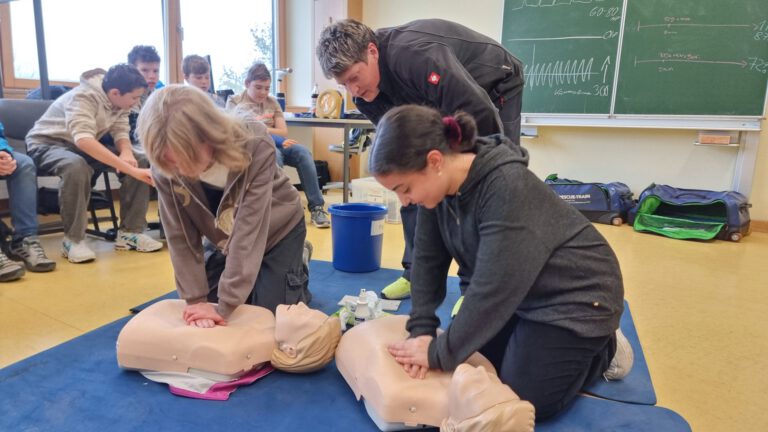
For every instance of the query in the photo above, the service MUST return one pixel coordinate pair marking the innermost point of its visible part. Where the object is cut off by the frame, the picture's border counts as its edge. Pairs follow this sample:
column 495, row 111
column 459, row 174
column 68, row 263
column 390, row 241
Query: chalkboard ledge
column 649, row 122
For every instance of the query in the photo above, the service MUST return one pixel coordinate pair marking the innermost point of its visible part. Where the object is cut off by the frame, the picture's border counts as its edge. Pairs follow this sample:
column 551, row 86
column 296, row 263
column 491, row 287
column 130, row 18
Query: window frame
column 173, row 46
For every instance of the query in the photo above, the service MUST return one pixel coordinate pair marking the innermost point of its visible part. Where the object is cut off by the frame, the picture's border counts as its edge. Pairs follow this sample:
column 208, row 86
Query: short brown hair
column 258, row 72
column 195, row 64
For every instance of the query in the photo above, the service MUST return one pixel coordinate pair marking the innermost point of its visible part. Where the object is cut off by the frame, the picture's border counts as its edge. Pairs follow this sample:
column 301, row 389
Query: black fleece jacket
column 521, row 250
column 446, row 66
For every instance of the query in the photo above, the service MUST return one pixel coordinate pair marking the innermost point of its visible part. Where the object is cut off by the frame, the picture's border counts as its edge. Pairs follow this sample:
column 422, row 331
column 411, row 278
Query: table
column 347, row 125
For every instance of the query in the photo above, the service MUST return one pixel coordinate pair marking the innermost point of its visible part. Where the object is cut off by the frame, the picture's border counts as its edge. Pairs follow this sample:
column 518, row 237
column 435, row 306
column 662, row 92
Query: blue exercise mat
column 78, row 386
column 589, row 414
column 637, row 386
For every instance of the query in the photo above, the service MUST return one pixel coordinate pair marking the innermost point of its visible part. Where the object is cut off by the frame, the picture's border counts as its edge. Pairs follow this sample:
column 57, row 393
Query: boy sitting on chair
column 197, row 73
column 20, row 174
column 256, row 104
column 64, row 142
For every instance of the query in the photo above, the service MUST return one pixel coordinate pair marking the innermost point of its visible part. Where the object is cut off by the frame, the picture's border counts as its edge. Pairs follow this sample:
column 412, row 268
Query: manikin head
column 305, row 338
column 348, row 52
column 479, row 402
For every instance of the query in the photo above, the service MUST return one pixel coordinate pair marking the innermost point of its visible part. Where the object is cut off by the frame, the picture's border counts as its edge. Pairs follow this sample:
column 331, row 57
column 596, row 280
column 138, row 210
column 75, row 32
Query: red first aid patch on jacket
column 433, row 78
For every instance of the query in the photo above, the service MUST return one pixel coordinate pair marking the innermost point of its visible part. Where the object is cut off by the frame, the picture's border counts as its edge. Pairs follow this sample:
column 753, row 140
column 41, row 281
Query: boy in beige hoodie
column 65, row 143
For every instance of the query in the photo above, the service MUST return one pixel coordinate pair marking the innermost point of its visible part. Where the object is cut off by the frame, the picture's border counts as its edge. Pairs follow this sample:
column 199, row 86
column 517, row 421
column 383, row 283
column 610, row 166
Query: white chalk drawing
column 559, row 72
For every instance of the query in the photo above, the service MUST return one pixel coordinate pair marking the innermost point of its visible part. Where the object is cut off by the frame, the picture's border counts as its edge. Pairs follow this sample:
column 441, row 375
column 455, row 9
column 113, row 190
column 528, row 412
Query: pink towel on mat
column 203, row 388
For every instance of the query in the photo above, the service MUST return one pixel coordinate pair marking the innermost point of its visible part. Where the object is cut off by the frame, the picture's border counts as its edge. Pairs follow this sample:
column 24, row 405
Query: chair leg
column 110, row 234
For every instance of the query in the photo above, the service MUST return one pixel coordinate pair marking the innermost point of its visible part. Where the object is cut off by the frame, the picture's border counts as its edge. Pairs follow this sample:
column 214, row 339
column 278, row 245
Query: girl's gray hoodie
column 521, row 250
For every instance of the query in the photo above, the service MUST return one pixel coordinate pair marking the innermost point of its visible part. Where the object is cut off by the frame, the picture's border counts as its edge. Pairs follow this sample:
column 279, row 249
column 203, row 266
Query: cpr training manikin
column 210, row 363
column 395, row 401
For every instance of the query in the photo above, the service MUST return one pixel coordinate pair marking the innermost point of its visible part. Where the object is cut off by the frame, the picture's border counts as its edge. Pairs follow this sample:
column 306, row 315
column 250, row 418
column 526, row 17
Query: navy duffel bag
column 606, row 203
column 691, row 213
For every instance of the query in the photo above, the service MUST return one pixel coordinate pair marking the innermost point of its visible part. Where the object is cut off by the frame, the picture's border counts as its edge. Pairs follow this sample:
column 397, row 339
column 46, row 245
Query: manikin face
column 426, row 187
column 125, row 100
column 150, row 71
column 191, row 169
column 201, row 81
column 362, row 79
column 258, row 90
column 295, row 322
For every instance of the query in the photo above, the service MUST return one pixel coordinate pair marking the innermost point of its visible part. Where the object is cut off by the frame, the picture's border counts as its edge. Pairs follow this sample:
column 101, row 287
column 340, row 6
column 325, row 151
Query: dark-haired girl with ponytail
column 542, row 288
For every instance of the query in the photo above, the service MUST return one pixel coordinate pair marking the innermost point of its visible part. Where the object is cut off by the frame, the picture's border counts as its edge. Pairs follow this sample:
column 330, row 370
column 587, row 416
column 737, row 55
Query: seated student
column 197, row 72
column 256, row 102
column 536, row 276
column 217, row 178
column 64, row 142
column 147, row 61
column 20, row 176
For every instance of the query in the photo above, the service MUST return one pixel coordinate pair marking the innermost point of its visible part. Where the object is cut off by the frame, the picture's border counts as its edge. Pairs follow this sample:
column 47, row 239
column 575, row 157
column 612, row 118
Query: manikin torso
column 374, row 375
column 158, row 339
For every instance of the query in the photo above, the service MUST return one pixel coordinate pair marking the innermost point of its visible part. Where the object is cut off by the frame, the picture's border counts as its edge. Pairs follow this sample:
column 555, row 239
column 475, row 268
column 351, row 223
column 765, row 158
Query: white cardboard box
column 368, row 190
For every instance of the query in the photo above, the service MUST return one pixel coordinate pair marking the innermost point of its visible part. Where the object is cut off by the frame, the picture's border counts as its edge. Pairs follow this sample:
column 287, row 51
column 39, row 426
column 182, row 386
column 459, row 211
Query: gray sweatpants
column 75, row 170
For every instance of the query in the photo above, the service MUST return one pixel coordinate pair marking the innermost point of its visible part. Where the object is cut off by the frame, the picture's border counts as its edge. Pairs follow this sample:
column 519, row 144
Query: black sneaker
column 32, row 253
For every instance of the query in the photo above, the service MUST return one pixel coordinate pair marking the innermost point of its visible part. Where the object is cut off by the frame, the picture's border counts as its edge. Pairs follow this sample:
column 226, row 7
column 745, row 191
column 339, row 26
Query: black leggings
column 283, row 277
column 547, row 365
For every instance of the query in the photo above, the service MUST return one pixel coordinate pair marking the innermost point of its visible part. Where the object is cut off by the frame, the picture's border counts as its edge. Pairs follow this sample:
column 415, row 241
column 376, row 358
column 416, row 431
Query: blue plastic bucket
column 357, row 230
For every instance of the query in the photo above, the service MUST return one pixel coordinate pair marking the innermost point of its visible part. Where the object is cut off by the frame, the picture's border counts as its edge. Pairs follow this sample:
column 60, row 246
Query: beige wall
column 635, row 156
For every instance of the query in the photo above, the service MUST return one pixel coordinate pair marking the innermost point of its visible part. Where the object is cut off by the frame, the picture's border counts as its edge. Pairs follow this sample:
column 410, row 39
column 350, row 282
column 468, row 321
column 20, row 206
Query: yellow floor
column 700, row 310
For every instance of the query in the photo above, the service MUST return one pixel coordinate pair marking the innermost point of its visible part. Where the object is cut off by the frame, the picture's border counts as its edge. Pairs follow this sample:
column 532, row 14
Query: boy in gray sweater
column 65, row 143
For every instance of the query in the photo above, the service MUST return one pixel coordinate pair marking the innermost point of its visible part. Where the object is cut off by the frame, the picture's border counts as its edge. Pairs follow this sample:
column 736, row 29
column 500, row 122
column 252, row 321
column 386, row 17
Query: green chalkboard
column 694, row 57
column 681, row 57
column 569, row 51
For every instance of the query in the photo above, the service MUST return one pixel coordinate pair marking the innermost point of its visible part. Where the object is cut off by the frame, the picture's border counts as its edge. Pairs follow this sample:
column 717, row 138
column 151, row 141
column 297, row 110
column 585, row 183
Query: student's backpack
column 691, row 213
column 606, row 203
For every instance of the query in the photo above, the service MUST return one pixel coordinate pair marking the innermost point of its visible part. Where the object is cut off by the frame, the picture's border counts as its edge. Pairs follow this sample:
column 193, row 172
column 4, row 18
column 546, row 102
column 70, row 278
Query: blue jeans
column 299, row 157
column 22, row 194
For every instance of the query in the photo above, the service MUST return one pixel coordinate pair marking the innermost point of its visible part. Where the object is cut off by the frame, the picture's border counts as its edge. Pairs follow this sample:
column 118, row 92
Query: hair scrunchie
column 452, row 131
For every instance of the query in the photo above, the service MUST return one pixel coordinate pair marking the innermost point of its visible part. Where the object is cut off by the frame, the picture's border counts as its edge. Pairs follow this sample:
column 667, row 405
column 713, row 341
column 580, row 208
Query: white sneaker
column 76, row 252
column 622, row 361
column 140, row 242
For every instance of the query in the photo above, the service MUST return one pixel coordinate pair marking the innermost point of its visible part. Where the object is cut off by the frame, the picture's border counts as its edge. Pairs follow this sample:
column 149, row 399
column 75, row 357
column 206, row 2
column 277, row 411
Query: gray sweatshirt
column 521, row 250
column 83, row 112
